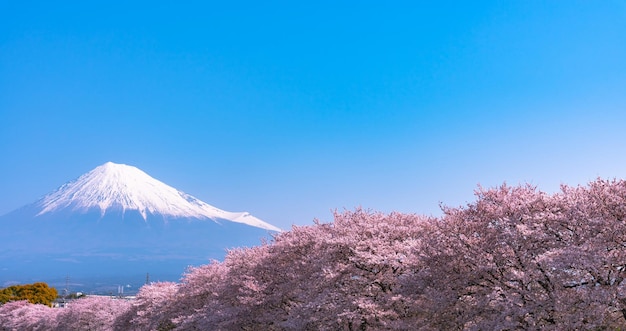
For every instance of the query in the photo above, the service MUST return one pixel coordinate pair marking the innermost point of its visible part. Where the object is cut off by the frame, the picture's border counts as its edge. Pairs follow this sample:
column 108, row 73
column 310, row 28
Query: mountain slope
column 121, row 187
column 114, row 220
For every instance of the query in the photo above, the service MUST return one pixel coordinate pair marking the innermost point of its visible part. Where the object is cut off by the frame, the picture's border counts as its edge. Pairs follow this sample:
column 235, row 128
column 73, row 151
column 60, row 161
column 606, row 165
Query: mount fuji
column 117, row 220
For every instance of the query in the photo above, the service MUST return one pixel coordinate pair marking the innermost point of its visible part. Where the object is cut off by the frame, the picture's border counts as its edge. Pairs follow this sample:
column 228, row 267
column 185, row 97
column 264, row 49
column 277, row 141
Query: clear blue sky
column 289, row 110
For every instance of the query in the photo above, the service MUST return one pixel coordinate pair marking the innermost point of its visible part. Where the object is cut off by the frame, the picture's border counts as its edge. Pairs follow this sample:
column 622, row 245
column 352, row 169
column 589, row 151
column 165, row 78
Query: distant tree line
column 516, row 258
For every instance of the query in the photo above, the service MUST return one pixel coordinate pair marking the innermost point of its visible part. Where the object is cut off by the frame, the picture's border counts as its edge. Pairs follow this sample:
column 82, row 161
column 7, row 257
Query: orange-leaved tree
column 35, row 293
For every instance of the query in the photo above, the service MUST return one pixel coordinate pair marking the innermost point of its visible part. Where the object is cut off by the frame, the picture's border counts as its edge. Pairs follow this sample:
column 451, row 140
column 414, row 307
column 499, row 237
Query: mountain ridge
column 113, row 186
column 117, row 220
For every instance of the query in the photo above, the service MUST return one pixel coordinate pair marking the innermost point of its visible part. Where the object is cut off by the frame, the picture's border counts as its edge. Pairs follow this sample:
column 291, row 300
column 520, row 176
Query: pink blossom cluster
column 91, row 313
column 516, row 258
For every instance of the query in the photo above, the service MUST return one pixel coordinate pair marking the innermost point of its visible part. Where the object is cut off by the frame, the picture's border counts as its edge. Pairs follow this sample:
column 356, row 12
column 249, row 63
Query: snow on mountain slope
column 114, row 186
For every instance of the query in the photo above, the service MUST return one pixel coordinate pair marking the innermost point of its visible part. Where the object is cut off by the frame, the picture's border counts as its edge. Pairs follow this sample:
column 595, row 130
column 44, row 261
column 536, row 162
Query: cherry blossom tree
column 356, row 267
column 22, row 315
column 90, row 313
column 342, row 275
column 147, row 311
column 93, row 313
column 519, row 258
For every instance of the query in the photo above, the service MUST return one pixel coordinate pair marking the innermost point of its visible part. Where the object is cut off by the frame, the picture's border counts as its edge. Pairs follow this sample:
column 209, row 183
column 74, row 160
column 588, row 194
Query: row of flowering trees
column 89, row 313
column 516, row 258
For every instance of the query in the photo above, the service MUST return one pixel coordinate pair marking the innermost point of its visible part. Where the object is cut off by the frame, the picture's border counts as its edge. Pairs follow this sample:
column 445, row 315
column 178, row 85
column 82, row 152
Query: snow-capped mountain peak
column 122, row 187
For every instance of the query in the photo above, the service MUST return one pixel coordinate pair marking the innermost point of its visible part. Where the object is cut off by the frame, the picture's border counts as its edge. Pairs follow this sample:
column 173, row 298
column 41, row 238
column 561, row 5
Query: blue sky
column 290, row 110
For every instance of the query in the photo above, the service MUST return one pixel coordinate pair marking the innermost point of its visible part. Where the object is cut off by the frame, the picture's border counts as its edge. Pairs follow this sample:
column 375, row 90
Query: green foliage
column 35, row 293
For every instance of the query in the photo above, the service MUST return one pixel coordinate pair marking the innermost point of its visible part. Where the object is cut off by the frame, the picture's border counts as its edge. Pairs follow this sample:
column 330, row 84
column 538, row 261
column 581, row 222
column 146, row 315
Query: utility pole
column 66, row 291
